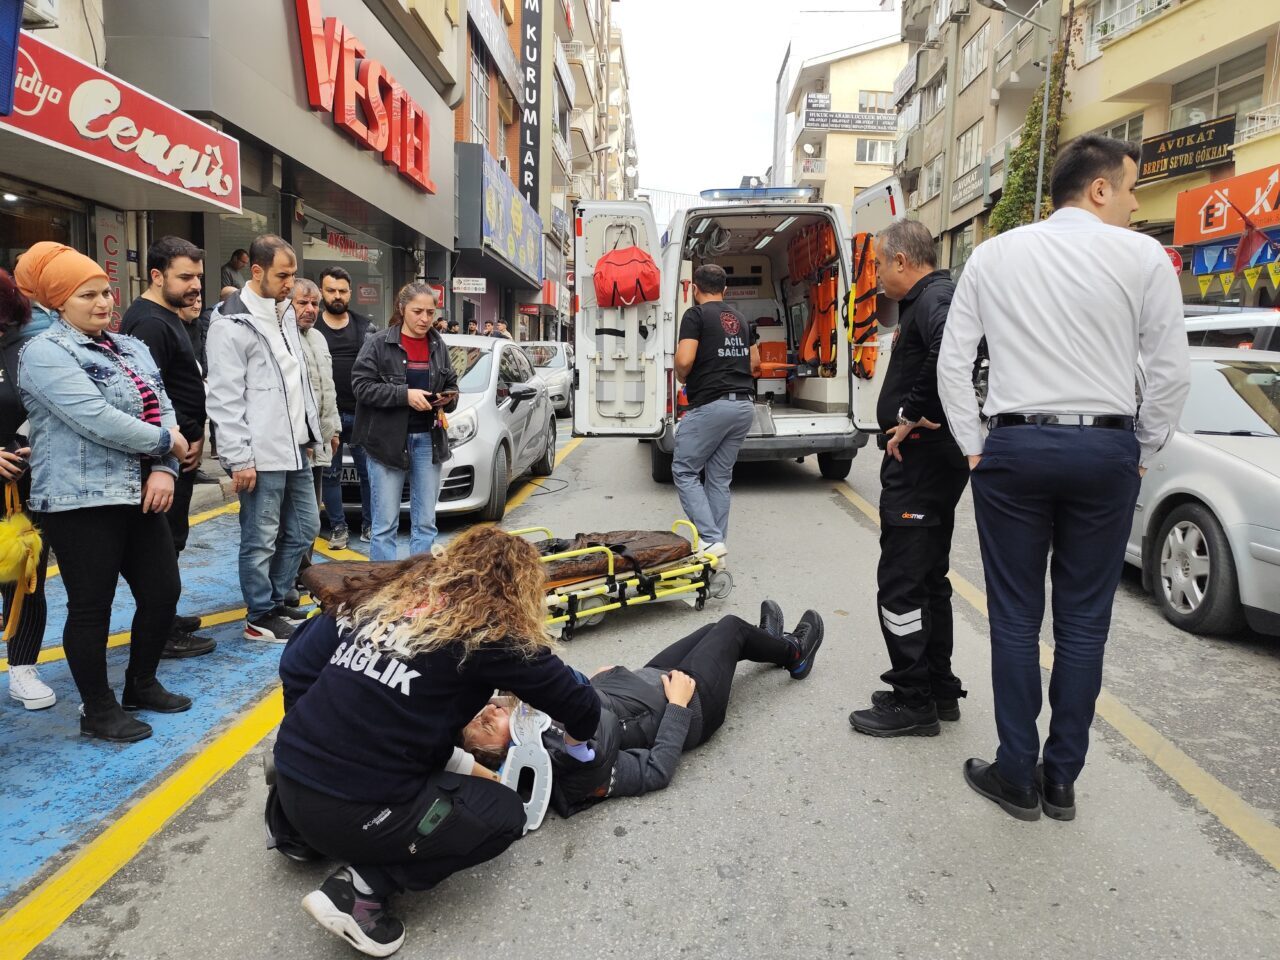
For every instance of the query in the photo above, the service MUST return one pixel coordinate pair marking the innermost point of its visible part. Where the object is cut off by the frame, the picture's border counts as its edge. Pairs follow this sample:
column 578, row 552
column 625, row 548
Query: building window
column 909, row 115
column 931, row 179
column 969, row 149
column 962, row 244
column 934, row 97
column 479, row 95
column 875, row 101
column 973, row 58
column 1234, row 87
column 1130, row 130
column 875, row 151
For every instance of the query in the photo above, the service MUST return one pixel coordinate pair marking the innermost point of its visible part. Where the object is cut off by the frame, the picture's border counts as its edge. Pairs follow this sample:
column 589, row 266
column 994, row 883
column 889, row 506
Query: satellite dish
column 808, row 149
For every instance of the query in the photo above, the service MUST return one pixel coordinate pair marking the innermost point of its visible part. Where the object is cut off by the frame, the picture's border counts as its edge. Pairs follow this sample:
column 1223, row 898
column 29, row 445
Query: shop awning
column 78, row 129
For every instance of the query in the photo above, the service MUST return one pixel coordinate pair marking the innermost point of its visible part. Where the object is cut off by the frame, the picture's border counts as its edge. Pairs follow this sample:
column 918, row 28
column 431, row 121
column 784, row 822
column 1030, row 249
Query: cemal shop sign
column 363, row 96
column 67, row 103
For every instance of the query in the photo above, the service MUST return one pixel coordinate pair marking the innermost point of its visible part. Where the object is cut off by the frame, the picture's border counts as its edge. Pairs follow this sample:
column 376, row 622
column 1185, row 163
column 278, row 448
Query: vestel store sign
column 363, row 96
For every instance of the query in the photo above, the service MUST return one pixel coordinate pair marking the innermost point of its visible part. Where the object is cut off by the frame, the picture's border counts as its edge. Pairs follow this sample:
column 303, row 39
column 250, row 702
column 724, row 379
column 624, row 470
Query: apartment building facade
column 1194, row 81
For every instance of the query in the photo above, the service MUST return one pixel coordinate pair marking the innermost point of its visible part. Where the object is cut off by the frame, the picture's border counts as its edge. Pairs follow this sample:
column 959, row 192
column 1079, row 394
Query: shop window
column 973, row 56
column 479, row 94
column 331, row 243
column 875, row 101
column 875, row 151
column 969, row 149
column 962, row 244
column 1234, row 87
column 931, row 179
column 25, row 221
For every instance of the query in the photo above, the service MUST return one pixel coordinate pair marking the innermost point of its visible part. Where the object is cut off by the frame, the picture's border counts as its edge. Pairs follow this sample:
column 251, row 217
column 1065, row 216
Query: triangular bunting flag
column 1205, row 283
column 1274, row 270
column 1251, row 276
column 1226, row 279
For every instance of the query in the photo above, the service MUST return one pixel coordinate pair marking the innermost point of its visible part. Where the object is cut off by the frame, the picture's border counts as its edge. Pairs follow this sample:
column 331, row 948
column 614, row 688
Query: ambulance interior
column 785, row 275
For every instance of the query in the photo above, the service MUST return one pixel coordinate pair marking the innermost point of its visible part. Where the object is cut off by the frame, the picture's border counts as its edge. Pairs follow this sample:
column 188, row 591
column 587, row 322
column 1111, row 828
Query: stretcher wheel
column 585, row 617
column 721, row 584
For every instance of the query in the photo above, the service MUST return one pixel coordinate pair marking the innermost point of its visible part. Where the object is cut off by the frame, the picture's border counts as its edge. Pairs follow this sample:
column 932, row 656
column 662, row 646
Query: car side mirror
column 519, row 392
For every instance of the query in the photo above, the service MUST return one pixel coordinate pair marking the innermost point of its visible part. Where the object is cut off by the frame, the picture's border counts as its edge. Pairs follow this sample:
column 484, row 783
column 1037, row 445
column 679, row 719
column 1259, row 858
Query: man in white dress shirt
column 1089, row 371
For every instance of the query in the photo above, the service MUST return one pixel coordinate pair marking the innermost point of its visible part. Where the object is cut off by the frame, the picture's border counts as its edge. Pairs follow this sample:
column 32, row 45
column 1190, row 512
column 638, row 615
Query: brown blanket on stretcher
column 632, row 549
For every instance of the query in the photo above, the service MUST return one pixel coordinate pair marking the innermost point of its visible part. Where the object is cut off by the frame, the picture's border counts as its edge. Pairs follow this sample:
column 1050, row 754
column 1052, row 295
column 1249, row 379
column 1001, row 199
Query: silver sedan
column 503, row 428
column 1206, row 532
column 553, row 362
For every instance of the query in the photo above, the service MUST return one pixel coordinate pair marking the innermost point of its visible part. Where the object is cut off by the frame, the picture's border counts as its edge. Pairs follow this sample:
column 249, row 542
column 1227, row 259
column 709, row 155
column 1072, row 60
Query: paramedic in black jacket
column 650, row 716
column 366, row 765
column 922, row 478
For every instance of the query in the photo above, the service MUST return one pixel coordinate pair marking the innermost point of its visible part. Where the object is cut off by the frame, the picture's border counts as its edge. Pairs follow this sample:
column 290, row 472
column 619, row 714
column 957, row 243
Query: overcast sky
column 702, row 78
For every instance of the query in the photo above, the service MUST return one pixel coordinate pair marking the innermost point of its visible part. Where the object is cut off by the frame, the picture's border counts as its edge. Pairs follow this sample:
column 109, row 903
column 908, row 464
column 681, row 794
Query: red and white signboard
column 67, row 103
column 1175, row 258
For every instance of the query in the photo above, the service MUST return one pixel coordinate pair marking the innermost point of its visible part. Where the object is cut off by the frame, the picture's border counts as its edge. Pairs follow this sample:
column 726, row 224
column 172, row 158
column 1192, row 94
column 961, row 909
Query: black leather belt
column 1105, row 421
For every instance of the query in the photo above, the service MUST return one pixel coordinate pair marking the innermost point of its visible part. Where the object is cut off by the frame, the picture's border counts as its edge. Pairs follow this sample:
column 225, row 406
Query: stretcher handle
column 697, row 540
column 528, row 530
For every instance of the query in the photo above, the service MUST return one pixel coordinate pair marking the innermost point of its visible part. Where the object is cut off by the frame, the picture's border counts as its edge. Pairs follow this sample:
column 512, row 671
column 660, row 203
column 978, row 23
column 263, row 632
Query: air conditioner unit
column 39, row 14
column 959, row 10
column 913, row 201
column 932, row 36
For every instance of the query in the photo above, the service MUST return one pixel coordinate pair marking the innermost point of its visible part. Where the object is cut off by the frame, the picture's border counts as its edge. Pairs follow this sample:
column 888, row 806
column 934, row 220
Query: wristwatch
column 903, row 421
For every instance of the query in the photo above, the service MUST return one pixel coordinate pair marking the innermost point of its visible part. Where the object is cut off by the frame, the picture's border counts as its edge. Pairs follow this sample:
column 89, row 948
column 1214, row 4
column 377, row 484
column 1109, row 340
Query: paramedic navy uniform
column 918, row 505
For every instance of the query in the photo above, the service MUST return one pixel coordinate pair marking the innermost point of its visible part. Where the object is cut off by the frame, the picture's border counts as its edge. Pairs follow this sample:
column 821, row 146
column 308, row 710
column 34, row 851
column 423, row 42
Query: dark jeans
column 333, row 479
column 383, row 843
column 95, row 546
column 1071, row 490
column 710, row 655
column 179, row 514
column 917, row 516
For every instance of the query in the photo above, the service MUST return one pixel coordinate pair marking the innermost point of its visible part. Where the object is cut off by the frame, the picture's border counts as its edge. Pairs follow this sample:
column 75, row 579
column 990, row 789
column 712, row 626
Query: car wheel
column 833, row 467
column 496, row 508
column 1195, row 574
column 544, row 465
column 660, row 464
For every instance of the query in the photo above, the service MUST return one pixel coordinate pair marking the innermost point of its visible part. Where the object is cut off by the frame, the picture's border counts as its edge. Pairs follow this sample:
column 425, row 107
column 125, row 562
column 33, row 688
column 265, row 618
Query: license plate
column 349, row 475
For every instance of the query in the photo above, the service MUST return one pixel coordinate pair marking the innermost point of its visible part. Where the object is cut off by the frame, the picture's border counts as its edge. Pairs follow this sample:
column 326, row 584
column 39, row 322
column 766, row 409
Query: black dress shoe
column 947, row 709
column 771, row 619
column 889, row 716
column 112, row 724
column 1019, row 802
column 1058, row 800
column 151, row 695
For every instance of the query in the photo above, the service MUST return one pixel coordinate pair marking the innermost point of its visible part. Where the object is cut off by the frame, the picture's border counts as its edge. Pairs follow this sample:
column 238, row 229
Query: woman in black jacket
column 17, row 326
column 376, row 697
column 403, row 380
column 650, row 716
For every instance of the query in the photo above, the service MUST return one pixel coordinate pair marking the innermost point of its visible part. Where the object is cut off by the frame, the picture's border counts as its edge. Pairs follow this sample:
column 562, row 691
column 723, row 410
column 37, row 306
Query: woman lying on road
column 376, row 698
column 649, row 716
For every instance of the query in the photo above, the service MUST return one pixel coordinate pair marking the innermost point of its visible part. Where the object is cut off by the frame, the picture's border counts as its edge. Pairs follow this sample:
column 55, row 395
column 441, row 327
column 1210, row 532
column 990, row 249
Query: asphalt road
column 789, row 835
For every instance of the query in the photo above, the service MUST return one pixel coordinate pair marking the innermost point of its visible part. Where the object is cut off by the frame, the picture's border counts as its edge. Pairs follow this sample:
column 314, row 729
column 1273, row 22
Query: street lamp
column 1001, row 6
column 590, row 153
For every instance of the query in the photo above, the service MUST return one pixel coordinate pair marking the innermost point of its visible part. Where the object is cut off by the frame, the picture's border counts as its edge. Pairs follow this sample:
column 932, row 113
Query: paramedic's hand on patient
column 898, row 434
column 678, row 687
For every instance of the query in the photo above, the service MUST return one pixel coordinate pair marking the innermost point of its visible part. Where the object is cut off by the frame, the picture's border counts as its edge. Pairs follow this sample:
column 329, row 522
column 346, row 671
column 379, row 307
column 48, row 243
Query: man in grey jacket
column 261, row 402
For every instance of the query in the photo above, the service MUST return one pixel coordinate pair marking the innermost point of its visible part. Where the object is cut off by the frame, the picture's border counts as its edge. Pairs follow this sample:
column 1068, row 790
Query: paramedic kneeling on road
column 717, row 360
column 376, row 701
column 922, row 478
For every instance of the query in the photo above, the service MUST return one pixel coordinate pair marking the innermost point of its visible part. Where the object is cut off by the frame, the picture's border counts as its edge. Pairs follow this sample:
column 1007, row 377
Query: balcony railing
column 1004, row 148
column 1015, row 37
column 813, row 167
column 1260, row 122
column 1129, row 18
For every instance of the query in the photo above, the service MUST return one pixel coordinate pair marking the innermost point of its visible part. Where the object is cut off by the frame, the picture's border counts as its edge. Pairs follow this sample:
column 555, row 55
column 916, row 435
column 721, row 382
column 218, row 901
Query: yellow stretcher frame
column 696, row 578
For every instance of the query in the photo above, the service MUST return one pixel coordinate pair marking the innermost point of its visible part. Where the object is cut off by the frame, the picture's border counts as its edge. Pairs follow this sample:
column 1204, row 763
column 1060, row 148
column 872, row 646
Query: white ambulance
column 814, row 397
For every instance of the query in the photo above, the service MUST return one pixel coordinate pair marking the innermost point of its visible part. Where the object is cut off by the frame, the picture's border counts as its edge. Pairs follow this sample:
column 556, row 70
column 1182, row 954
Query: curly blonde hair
column 485, row 589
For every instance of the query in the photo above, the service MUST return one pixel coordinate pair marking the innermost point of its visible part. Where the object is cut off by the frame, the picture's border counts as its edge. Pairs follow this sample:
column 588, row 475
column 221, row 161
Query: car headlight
column 462, row 427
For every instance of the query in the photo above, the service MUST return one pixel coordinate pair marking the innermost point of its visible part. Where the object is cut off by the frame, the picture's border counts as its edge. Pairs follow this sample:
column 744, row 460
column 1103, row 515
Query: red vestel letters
column 344, row 81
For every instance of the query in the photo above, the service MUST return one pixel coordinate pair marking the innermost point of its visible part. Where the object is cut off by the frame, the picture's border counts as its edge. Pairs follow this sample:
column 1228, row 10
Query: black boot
column 113, row 724
column 151, row 695
column 890, row 716
column 985, row 778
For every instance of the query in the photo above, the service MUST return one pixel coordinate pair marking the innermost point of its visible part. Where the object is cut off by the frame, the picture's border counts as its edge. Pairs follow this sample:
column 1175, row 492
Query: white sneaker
column 28, row 689
column 717, row 549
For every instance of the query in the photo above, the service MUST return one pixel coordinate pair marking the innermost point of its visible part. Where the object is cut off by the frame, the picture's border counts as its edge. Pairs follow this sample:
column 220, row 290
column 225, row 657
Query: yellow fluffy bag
column 20, row 546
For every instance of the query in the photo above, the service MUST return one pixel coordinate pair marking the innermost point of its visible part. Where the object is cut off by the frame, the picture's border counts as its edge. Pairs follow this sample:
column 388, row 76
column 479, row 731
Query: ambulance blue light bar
column 760, row 193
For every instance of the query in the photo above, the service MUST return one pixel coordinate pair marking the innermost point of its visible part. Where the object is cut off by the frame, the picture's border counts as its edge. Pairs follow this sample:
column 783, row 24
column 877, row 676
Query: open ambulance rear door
column 873, row 209
column 622, row 354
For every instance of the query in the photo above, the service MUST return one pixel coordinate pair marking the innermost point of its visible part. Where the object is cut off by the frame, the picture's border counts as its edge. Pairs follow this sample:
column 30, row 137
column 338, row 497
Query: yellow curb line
column 44, row 909
column 1254, row 829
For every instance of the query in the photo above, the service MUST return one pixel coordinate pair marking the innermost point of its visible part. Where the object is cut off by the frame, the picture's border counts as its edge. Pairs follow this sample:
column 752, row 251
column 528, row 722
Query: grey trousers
column 709, row 439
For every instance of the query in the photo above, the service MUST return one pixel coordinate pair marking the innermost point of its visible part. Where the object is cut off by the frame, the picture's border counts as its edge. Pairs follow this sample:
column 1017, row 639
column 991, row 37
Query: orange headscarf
column 49, row 273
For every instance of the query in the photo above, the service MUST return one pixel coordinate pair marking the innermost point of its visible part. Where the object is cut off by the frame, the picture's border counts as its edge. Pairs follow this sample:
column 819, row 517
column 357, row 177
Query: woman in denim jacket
column 105, row 449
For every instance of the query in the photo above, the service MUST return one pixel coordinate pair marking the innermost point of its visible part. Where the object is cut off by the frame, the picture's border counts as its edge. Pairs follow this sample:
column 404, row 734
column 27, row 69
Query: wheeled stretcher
column 589, row 576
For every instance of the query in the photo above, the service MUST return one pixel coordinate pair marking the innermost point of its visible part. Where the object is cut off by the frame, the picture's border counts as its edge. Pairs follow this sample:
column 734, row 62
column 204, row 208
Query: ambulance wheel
column 585, row 617
column 496, row 507
column 659, row 464
column 721, row 584
column 833, row 467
